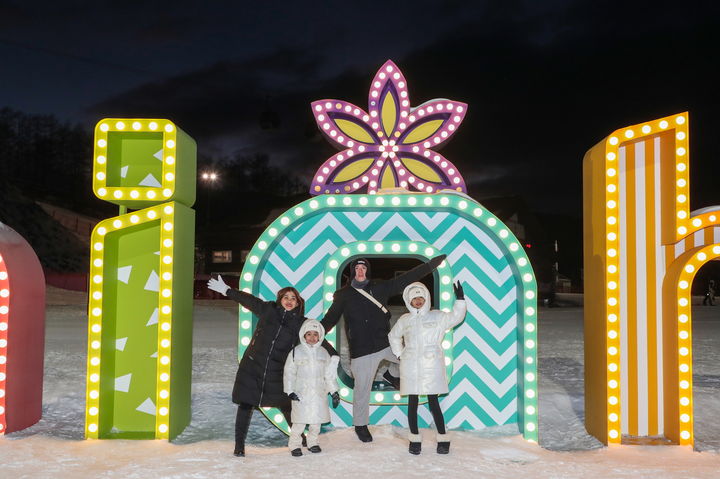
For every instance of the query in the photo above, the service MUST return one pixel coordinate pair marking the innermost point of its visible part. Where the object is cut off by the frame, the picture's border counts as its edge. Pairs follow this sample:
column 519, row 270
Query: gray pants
column 363, row 370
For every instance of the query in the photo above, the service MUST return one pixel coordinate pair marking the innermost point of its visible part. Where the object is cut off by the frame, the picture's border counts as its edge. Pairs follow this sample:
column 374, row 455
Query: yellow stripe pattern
column 642, row 249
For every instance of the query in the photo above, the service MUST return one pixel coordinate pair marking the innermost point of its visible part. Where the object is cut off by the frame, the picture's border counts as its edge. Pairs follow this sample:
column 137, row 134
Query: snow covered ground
column 54, row 447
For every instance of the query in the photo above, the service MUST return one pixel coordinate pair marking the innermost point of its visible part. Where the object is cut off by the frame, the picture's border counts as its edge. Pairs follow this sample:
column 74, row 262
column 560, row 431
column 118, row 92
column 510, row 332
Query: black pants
column 242, row 423
column 434, row 410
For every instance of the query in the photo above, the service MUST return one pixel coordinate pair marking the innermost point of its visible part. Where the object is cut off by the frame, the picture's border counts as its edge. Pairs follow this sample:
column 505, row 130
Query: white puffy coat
column 310, row 373
column 417, row 338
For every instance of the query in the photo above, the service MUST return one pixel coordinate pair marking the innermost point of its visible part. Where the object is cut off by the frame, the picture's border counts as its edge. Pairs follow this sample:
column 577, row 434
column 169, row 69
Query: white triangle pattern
column 148, row 407
column 153, row 318
column 120, row 344
column 124, row 274
column 150, row 180
column 122, row 383
column 153, row 282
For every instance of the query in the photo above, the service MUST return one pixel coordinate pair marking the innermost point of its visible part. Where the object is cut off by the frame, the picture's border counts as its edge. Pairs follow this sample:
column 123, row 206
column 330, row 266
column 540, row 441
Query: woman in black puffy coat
column 259, row 379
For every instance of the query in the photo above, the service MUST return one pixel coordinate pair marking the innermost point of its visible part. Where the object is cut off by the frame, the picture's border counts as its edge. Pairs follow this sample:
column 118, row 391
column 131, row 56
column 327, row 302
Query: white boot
column 443, row 443
column 415, row 443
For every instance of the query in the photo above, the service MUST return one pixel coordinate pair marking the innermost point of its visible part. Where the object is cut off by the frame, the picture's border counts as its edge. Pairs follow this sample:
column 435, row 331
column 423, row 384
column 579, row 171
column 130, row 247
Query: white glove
column 218, row 285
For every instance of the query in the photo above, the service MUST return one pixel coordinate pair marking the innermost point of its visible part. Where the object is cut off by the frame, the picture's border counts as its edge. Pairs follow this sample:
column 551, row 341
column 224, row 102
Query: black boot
column 315, row 449
column 242, row 424
column 296, row 452
column 363, row 433
column 393, row 380
column 415, row 445
column 443, row 445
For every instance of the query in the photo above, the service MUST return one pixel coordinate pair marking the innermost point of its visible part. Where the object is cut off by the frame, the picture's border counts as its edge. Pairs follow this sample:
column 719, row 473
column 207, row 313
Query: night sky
column 544, row 80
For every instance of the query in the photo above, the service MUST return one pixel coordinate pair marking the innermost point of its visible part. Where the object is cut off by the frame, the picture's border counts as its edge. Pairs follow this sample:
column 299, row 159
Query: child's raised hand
column 459, row 293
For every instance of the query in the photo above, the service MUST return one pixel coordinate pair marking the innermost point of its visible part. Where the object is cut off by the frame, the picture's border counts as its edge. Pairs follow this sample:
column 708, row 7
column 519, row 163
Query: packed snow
column 55, row 446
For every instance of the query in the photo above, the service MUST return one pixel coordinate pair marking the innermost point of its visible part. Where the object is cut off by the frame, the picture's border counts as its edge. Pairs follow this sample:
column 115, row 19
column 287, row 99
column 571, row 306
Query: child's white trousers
column 295, row 435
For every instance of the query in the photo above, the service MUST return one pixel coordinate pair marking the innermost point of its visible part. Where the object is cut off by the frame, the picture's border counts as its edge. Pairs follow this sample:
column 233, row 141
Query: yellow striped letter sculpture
column 642, row 249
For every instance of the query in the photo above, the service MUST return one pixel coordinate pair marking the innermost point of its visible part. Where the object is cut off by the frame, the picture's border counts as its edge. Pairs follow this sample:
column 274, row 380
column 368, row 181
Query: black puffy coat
column 367, row 326
column 259, row 379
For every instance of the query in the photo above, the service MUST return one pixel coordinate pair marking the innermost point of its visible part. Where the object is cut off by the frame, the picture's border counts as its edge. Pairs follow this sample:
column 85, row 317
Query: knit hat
column 416, row 292
column 311, row 325
column 356, row 262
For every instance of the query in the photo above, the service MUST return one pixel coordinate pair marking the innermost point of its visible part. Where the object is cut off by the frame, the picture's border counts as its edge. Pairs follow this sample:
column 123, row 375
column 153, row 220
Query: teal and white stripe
column 491, row 356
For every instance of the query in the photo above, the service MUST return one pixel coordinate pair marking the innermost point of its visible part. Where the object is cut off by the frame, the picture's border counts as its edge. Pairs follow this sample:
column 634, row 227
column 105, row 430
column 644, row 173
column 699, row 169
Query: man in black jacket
column 367, row 324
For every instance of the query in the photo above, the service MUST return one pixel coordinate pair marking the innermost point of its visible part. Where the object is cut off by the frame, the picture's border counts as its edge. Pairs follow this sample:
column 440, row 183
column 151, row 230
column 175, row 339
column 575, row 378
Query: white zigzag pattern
column 465, row 414
column 499, row 360
column 464, row 249
column 457, row 226
column 335, row 419
column 396, row 221
column 307, row 292
column 328, row 221
column 310, row 290
column 362, row 222
column 430, row 223
column 500, row 305
column 271, row 284
column 294, row 277
column 395, row 413
column 465, row 359
column 466, row 387
column 499, row 333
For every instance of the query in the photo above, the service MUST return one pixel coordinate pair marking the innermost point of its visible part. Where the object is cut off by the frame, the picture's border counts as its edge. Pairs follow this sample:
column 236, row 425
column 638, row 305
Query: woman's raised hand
column 218, row 285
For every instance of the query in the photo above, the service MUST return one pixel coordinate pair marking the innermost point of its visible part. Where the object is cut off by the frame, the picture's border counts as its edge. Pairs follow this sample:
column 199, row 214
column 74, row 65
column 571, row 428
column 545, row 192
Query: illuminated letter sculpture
column 491, row 357
column 141, row 273
column 22, row 332
column 642, row 250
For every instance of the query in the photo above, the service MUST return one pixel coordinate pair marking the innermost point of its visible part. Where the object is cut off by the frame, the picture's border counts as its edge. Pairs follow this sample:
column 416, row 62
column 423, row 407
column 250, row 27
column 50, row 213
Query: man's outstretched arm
column 397, row 285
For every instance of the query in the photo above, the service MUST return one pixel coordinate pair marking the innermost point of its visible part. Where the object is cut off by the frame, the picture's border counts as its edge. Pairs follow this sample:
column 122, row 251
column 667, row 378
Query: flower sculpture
column 390, row 145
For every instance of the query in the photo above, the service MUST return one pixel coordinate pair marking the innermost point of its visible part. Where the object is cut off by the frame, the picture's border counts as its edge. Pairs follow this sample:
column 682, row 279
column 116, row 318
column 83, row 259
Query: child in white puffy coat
column 416, row 339
column 310, row 374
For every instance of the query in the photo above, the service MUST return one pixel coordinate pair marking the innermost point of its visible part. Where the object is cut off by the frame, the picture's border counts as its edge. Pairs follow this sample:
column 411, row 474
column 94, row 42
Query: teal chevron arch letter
column 491, row 356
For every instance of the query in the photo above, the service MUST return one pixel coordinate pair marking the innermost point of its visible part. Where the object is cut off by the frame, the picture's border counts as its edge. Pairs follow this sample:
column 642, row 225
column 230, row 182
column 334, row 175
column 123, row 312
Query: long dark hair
column 290, row 289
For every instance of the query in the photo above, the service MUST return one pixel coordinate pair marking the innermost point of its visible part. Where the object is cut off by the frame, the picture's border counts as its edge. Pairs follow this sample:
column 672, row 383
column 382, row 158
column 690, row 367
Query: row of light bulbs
column 330, row 201
column 149, row 193
column 4, row 324
column 612, row 274
column 163, row 213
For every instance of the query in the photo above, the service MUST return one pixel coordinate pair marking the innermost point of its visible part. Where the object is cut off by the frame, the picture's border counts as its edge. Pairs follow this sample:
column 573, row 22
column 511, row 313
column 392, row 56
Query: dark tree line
column 255, row 174
column 44, row 158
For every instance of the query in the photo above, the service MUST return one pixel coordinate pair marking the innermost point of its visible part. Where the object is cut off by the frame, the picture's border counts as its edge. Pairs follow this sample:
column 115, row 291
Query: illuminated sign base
column 491, row 357
column 132, row 340
column 22, row 332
